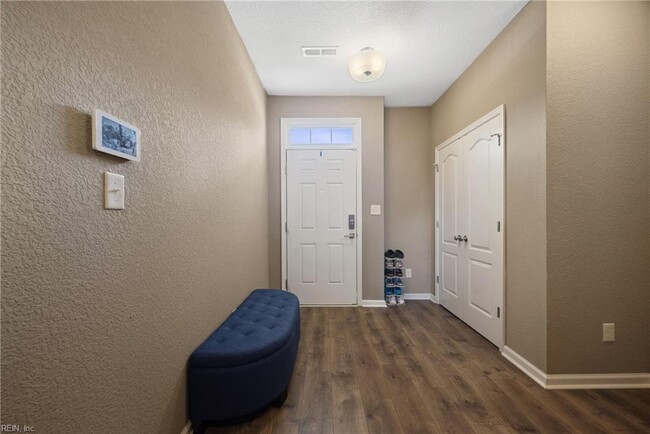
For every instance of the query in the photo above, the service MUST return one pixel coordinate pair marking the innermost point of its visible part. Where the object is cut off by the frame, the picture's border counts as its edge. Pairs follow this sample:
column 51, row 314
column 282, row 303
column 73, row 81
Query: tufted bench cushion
column 246, row 364
column 260, row 326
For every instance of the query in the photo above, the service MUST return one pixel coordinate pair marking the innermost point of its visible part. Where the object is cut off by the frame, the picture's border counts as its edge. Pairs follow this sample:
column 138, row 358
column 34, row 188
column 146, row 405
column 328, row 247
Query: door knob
column 456, row 237
column 464, row 238
column 350, row 236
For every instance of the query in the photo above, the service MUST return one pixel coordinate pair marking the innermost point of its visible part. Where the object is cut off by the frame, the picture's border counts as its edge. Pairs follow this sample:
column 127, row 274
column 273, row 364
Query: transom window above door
column 321, row 136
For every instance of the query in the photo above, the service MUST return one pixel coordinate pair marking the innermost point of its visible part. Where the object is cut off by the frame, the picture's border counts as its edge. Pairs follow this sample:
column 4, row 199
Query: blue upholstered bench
column 246, row 364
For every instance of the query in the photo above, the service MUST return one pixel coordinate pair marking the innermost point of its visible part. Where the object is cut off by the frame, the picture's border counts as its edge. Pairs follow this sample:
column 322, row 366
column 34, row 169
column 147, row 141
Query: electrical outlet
column 608, row 332
column 409, row 273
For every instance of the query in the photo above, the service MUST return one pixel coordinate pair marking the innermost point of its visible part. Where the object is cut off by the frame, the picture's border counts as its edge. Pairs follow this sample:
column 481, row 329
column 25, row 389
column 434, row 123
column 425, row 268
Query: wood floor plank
column 418, row 369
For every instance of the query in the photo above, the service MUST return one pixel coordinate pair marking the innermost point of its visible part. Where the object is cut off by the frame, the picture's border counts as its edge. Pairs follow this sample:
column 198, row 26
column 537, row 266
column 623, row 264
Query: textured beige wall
column 101, row 309
column 597, row 197
column 409, row 191
column 371, row 112
column 512, row 71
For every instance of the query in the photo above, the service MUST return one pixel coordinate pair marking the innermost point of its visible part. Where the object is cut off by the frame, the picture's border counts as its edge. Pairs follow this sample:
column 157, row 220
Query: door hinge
column 437, row 279
column 498, row 312
column 498, row 226
column 286, row 284
column 499, row 136
column 435, row 166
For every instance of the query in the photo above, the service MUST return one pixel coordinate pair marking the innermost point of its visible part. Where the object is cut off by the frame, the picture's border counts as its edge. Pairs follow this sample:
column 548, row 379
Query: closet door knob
column 464, row 238
column 456, row 237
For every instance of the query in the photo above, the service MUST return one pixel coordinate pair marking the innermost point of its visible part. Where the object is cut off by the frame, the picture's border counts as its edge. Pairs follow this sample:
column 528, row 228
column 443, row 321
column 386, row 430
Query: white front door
column 321, row 226
column 471, row 236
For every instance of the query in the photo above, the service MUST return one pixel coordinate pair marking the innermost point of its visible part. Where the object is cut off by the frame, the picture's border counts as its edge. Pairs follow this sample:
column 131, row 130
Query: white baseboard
column 524, row 365
column 639, row 380
column 373, row 303
column 577, row 381
column 188, row 428
column 417, row 296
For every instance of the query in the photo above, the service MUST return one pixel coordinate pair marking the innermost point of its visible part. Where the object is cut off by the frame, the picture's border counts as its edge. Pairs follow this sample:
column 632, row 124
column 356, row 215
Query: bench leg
column 281, row 398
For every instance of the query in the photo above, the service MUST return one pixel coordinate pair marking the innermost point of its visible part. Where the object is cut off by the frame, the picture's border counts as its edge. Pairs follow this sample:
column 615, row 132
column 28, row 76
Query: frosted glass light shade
column 367, row 65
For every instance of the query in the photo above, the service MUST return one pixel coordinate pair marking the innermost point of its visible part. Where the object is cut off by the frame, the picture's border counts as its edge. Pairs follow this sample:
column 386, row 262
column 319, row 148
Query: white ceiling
column 427, row 44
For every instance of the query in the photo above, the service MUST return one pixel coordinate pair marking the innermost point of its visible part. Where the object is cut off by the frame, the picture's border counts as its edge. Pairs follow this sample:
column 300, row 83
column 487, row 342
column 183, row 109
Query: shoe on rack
column 392, row 301
column 390, row 254
column 398, row 254
column 389, row 263
column 389, row 281
column 397, row 263
column 400, row 300
column 398, row 272
column 389, row 272
column 397, row 281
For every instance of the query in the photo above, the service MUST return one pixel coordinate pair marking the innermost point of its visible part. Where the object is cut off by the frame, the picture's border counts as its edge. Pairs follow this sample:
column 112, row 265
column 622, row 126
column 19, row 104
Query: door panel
column 483, row 196
column 450, row 171
column 471, row 205
column 321, row 257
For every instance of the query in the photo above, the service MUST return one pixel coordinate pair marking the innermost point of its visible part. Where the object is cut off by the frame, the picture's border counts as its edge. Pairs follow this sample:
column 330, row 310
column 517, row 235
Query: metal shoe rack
column 394, row 277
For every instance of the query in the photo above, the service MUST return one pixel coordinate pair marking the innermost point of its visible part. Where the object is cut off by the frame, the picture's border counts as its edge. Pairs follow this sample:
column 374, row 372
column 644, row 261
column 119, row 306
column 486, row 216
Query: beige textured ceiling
column 428, row 44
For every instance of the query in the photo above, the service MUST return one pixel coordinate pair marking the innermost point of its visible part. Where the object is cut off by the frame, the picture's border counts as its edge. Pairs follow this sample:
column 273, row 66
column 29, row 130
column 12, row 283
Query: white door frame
column 285, row 126
column 500, row 110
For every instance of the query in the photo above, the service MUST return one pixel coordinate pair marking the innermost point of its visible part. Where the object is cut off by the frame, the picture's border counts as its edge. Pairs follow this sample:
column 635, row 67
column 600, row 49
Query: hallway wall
column 409, row 192
column 512, row 71
column 101, row 309
column 371, row 111
column 598, row 202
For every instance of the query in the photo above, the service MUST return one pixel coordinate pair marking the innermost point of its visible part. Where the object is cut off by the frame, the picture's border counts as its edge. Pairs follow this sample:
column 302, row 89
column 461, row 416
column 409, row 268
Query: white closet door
column 482, row 193
column 451, row 293
column 470, row 215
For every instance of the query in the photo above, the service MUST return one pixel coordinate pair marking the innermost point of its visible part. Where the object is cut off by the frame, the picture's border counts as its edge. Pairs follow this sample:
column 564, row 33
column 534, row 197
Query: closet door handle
column 464, row 238
column 456, row 237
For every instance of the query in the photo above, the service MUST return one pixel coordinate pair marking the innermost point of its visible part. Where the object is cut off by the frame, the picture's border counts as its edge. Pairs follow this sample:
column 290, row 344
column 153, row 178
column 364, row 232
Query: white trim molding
column 524, row 365
column 577, row 381
column 639, row 380
column 187, row 429
column 417, row 296
column 373, row 303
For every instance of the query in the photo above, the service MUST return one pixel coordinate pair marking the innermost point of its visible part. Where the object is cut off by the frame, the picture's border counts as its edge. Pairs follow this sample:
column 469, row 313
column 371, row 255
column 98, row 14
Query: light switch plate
column 608, row 332
column 113, row 191
column 375, row 209
column 409, row 273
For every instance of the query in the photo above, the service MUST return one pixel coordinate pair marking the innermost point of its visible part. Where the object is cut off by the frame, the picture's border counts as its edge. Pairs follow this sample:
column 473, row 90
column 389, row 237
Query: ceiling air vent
column 319, row 51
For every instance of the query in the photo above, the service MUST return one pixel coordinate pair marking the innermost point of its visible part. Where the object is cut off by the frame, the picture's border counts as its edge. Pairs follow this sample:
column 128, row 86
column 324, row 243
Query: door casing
column 285, row 126
column 499, row 111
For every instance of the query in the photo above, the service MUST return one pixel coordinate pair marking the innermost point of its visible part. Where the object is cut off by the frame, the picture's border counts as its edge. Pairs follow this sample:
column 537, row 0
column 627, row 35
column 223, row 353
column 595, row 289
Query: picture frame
column 115, row 137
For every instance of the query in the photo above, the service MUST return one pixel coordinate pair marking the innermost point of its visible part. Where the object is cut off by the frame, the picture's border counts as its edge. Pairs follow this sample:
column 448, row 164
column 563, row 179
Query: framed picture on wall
column 116, row 137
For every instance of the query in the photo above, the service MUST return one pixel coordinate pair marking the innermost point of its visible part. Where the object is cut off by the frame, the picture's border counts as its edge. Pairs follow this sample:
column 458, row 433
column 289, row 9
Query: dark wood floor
column 416, row 369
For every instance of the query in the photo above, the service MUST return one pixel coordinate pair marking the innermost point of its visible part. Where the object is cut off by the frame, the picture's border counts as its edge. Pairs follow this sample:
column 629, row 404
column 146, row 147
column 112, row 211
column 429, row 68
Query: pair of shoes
column 390, row 254
column 399, row 254
column 389, row 272
column 399, row 272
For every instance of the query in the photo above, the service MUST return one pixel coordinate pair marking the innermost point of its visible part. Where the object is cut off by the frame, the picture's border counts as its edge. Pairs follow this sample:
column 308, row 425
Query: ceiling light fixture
column 367, row 65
